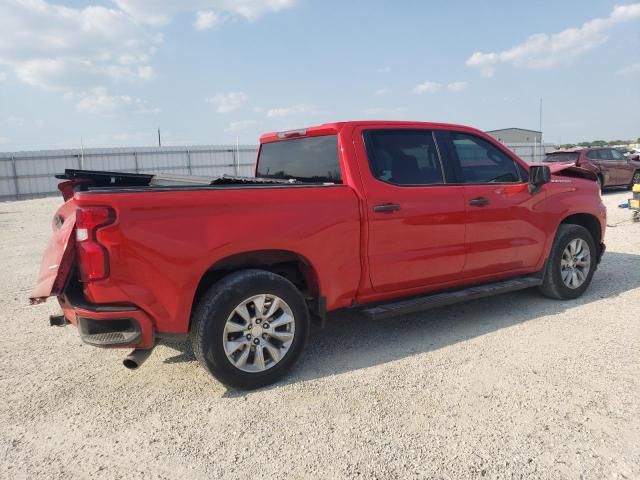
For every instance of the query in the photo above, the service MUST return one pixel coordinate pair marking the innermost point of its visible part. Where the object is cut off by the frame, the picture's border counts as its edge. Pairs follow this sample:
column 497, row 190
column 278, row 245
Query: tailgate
column 58, row 257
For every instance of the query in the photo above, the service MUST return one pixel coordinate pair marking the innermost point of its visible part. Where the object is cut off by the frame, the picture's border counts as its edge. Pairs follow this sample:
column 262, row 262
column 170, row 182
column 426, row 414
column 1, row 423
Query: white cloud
column 630, row 69
column 457, row 86
column 13, row 121
column 72, row 50
column 236, row 127
column 160, row 12
column 98, row 100
column 228, row 102
column 290, row 110
column 427, row 87
column 206, row 20
column 61, row 48
column 381, row 91
column 544, row 50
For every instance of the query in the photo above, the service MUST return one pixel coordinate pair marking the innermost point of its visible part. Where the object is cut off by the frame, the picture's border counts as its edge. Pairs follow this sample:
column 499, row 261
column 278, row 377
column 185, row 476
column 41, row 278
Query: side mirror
column 538, row 176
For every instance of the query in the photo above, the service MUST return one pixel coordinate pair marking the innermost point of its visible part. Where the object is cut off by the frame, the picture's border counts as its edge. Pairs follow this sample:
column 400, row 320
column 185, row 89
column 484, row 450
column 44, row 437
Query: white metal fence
column 31, row 174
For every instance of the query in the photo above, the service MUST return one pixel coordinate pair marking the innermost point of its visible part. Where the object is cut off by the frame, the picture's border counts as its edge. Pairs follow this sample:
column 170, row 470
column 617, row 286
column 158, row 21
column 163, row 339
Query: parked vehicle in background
column 631, row 153
column 386, row 217
column 611, row 166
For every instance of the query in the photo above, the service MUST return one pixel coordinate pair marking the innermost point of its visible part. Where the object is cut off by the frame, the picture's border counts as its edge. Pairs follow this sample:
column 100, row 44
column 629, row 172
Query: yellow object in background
column 636, row 187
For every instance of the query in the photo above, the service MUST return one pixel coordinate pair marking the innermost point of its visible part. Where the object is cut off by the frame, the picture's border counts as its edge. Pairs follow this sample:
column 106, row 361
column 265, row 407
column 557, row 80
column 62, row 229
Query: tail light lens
column 93, row 258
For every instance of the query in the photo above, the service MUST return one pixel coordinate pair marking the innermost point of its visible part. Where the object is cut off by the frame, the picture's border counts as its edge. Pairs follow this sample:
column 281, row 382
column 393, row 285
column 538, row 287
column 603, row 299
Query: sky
column 111, row 72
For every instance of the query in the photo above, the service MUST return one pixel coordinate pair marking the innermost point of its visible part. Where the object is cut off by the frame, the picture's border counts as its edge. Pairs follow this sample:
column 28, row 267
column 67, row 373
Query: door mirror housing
column 538, row 176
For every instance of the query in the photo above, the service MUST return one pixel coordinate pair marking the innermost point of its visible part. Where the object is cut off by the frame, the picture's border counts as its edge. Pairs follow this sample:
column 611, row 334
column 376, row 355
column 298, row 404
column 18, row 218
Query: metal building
column 516, row 135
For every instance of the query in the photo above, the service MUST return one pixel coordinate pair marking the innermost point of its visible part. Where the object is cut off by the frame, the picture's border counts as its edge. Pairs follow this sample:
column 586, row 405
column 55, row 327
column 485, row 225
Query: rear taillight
column 93, row 258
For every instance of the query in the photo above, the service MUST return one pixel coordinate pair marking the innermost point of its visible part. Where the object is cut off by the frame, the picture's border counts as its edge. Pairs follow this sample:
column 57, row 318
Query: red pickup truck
column 385, row 217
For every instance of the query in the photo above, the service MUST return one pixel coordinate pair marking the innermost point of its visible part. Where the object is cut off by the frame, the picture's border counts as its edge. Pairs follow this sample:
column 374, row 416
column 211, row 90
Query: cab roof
column 335, row 127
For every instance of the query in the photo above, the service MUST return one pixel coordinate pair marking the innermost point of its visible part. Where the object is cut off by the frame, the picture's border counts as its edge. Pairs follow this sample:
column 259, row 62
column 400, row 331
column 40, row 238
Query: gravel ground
column 516, row 386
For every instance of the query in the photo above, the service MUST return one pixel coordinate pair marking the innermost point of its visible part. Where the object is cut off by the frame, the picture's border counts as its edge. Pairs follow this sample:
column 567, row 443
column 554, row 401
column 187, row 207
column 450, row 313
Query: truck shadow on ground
column 351, row 342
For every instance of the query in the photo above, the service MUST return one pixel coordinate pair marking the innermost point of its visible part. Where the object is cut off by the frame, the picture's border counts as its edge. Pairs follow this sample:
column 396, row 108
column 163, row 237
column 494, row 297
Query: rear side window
column 598, row 155
column 403, row 157
column 617, row 155
column 311, row 159
column 482, row 162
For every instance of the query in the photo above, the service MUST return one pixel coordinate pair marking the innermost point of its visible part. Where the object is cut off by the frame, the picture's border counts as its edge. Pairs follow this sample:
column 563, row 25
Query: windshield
column 562, row 157
column 311, row 159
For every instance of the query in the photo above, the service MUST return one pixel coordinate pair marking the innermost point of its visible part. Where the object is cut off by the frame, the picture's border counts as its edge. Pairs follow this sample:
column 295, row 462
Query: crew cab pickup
column 385, row 217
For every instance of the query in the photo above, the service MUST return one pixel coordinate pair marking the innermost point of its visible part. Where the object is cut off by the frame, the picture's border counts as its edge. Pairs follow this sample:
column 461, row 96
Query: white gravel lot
column 516, row 386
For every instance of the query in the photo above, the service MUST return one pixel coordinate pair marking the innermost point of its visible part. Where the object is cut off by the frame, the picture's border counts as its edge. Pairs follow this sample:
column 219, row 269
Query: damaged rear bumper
column 107, row 325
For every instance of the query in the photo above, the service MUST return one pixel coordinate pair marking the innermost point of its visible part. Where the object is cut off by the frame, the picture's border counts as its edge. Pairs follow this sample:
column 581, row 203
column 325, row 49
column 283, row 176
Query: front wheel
column 571, row 264
column 249, row 328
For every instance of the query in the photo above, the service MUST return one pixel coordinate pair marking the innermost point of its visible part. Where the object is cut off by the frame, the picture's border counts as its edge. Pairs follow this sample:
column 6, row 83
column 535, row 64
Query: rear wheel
column 250, row 328
column 571, row 265
column 635, row 179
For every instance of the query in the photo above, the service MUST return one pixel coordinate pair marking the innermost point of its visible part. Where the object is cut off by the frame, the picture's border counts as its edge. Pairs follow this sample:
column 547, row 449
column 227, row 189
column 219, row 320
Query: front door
column 415, row 220
column 504, row 231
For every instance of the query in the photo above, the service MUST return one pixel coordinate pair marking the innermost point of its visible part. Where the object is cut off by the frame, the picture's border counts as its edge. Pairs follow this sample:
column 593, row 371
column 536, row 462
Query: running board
column 404, row 307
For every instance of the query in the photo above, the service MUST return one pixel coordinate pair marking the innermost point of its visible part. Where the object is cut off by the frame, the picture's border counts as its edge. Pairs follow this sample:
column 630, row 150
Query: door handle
column 479, row 202
column 389, row 207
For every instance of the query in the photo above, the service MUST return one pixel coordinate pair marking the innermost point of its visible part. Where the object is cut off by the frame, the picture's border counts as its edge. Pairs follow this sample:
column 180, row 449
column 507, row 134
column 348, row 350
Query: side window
column 482, row 162
column 605, row 155
column 403, row 157
column 617, row 155
column 593, row 155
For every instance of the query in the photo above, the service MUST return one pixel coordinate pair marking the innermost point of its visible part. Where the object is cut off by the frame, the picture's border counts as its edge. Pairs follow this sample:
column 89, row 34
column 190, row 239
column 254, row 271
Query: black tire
column 553, row 286
column 216, row 306
column 635, row 179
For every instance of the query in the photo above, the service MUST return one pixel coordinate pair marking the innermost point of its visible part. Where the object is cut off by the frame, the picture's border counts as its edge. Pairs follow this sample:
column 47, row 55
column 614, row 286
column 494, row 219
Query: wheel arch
column 588, row 221
column 291, row 265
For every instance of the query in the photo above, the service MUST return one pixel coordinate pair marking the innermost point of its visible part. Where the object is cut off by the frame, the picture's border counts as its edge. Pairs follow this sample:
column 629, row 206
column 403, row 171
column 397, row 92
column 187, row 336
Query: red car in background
column 611, row 166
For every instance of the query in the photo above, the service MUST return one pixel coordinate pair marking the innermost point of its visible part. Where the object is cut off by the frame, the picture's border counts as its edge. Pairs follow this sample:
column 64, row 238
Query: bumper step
column 404, row 307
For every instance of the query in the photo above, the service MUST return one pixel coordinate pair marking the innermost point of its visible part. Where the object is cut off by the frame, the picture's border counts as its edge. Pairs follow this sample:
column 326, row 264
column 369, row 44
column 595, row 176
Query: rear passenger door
column 623, row 169
column 504, row 232
column 603, row 159
column 415, row 221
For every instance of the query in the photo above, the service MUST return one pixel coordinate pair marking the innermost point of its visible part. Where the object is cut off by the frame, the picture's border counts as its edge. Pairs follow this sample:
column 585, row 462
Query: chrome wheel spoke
column 274, row 351
column 233, row 327
column 234, row 345
column 283, row 319
column 242, row 359
column 258, row 303
column 275, row 305
column 242, row 312
column 282, row 336
column 259, row 358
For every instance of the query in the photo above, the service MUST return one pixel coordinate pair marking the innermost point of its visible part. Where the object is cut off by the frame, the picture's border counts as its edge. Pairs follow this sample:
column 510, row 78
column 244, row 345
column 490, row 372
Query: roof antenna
column 159, row 141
